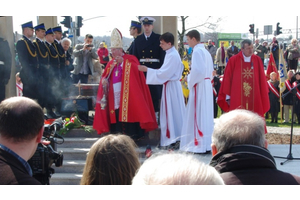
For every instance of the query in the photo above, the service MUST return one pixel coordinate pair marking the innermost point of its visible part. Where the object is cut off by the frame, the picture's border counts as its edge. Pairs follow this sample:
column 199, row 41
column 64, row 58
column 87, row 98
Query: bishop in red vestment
column 123, row 97
column 244, row 84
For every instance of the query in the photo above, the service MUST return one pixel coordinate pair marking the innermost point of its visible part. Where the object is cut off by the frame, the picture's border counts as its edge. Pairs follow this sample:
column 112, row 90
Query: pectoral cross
column 117, row 72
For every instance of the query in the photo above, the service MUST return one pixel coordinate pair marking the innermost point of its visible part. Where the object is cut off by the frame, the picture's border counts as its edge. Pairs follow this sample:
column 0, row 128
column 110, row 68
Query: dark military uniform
column 28, row 58
column 5, row 66
column 130, row 49
column 54, row 77
column 150, row 54
column 43, row 74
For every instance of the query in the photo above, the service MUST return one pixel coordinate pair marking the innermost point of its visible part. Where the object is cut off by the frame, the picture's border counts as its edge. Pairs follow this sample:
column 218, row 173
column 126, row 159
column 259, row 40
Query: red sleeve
column 226, row 86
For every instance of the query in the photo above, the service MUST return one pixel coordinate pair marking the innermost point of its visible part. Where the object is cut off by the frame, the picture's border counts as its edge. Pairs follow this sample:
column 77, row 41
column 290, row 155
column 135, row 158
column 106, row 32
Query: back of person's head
column 167, row 37
column 194, row 34
column 176, row 169
column 21, row 119
column 112, row 160
column 238, row 127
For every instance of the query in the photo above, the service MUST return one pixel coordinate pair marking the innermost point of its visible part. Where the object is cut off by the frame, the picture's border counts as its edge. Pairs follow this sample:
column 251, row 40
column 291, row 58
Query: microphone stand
column 290, row 156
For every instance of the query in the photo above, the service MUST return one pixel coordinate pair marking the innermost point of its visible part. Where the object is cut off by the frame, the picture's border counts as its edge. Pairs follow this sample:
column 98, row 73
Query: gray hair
column 238, row 127
column 246, row 41
column 66, row 39
column 176, row 169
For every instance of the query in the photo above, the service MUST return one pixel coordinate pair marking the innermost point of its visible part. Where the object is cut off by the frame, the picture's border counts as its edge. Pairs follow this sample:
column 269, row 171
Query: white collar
column 247, row 59
column 147, row 36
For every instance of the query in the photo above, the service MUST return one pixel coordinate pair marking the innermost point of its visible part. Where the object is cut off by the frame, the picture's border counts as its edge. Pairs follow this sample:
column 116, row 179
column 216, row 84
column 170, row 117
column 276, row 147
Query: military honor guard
column 28, row 58
column 5, row 66
column 54, row 90
column 63, row 70
column 43, row 60
column 135, row 30
column 147, row 50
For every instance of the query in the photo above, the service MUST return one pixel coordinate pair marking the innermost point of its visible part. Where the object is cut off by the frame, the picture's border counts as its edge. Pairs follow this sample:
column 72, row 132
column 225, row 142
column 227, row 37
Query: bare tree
column 207, row 26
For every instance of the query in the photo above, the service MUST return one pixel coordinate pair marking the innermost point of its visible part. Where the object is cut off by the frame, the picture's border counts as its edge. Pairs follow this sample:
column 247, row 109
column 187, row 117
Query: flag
column 271, row 68
column 186, row 70
column 282, row 70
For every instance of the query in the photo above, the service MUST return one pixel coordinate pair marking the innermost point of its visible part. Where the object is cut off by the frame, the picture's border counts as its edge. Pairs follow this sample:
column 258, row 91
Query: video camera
column 46, row 155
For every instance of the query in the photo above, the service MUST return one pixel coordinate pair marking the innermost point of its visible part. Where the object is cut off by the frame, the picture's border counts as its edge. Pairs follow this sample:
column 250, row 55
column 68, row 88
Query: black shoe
column 272, row 122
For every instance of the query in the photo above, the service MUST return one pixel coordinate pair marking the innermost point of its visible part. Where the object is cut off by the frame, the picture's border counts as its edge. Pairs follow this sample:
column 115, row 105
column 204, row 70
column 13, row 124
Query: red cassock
column 135, row 103
column 245, row 83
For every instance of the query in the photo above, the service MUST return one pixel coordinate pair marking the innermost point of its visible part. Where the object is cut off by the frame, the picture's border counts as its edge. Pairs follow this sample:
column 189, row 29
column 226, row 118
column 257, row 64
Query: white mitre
column 116, row 39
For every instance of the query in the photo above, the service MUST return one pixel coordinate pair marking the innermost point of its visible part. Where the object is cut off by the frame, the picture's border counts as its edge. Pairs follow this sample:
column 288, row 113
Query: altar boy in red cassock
column 124, row 102
column 244, row 84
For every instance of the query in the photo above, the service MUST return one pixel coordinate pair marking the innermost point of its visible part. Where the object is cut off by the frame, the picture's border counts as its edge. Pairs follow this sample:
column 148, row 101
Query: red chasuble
column 135, row 103
column 246, row 85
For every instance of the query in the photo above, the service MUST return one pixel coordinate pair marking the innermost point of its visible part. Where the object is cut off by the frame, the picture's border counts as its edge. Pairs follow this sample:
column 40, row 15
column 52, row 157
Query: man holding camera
column 21, row 130
column 83, row 61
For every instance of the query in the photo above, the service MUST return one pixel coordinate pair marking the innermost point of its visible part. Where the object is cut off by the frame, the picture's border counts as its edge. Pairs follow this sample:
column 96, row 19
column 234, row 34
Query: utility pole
column 297, row 27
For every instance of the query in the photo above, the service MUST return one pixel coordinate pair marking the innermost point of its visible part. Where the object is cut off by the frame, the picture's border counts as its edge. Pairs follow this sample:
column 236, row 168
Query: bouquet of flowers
column 74, row 122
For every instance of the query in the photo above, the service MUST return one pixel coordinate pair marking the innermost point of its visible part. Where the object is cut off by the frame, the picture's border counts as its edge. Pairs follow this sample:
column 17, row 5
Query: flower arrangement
column 74, row 122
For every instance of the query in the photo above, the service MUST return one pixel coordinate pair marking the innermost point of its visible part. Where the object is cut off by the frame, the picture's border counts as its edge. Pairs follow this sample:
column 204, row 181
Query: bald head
column 238, row 127
column 21, row 119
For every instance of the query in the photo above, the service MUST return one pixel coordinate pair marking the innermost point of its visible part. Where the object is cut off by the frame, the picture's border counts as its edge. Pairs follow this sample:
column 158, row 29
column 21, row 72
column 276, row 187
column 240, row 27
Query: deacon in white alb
column 172, row 99
column 199, row 118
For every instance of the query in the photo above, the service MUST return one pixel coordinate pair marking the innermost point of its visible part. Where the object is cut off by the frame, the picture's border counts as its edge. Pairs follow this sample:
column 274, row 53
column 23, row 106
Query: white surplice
column 172, row 99
column 200, row 118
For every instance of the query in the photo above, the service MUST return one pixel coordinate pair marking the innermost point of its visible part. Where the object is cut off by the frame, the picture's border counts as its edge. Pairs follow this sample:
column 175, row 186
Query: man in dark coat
column 20, row 133
column 149, row 53
column 43, row 59
column 135, row 30
column 216, row 87
column 5, row 66
column 54, row 89
column 232, row 50
column 28, row 58
column 240, row 153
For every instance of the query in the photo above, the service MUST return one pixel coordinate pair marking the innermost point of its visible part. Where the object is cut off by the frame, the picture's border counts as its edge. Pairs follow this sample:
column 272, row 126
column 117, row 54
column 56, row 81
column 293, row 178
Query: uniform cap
column 147, row 20
column 27, row 25
column 49, row 31
column 40, row 26
column 58, row 28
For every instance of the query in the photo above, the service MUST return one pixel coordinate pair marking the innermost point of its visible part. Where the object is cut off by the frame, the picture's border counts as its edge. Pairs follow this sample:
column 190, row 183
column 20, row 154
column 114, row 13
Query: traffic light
column 67, row 21
column 78, row 32
column 251, row 28
column 79, row 21
column 278, row 29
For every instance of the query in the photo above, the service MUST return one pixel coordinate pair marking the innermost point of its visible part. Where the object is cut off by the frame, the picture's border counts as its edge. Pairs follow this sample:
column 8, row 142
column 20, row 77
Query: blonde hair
column 112, row 160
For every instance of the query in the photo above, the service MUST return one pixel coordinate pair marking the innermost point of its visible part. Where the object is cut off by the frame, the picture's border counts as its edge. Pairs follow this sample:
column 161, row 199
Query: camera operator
column 21, row 130
column 83, row 61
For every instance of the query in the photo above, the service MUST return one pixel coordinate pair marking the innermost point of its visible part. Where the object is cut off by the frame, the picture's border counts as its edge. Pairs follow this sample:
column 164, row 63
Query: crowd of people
column 140, row 90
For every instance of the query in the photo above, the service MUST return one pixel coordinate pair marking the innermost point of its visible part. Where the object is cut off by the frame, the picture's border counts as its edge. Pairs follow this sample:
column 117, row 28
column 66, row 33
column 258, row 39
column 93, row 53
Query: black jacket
column 5, row 59
column 250, row 165
column 28, row 58
column 12, row 172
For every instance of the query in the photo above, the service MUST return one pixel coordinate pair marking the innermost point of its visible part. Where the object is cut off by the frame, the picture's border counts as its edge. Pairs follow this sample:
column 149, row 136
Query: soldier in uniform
column 135, row 30
column 63, row 71
column 149, row 53
column 43, row 58
column 5, row 66
column 28, row 58
column 54, row 90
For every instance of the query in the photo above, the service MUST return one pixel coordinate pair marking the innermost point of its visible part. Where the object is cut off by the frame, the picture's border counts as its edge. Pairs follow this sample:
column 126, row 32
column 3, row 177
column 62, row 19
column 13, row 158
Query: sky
column 103, row 25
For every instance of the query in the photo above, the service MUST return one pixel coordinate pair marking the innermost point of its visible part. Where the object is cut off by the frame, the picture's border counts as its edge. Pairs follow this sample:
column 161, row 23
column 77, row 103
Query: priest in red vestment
column 124, row 102
column 244, row 84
